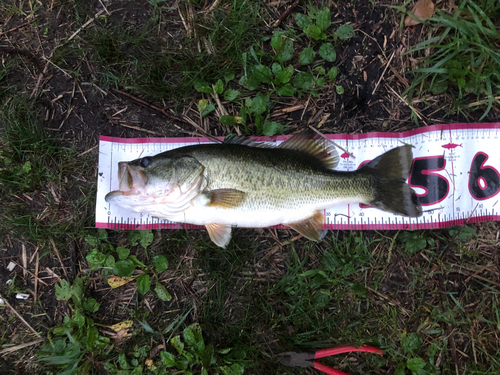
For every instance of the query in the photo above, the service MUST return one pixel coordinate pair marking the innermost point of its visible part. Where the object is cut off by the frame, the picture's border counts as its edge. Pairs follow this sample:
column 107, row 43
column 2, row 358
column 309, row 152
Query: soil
column 361, row 109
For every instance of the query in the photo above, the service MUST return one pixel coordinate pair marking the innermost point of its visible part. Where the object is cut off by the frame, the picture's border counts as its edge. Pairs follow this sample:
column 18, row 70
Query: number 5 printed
column 423, row 176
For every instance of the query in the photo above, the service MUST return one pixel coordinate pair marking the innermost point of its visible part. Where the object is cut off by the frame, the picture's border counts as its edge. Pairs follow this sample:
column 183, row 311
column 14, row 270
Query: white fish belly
column 254, row 218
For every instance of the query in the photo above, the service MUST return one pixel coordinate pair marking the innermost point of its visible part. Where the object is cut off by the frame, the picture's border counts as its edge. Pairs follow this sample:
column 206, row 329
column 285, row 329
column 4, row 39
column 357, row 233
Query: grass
column 164, row 65
column 428, row 298
column 462, row 58
column 33, row 161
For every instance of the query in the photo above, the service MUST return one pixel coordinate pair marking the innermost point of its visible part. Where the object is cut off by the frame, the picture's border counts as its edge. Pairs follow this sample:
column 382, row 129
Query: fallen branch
column 286, row 13
column 183, row 118
column 152, row 106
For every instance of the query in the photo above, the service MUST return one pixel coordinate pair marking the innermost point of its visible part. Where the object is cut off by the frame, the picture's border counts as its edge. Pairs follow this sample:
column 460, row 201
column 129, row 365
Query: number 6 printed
column 484, row 181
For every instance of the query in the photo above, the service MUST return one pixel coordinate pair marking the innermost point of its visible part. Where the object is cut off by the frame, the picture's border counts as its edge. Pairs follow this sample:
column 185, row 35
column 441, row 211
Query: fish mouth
column 132, row 182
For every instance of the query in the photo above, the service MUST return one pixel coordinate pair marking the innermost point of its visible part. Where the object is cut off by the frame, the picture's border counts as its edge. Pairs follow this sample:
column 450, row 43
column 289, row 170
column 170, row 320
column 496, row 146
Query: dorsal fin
column 245, row 141
column 313, row 145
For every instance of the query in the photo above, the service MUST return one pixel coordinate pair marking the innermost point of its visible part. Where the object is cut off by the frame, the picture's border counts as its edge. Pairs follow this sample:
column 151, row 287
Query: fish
column 451, row 146
column 240, row 183
column 345, row 155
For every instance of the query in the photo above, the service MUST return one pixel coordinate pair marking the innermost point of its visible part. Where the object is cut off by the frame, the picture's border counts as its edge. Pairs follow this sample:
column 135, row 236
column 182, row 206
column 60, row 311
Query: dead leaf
column 115, row 281
column 118, row 335
column 122, row 325
column 121, row 334
column 148, row 362
column 423, row 10
column 154, row 352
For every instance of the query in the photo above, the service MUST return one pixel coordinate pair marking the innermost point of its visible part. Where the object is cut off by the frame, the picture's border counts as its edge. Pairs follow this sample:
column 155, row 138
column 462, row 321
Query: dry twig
column 24, row 259
column 390, row 300
column 87, row 151
column 20, row 346
column 37, row 263
column 25, row 270
column 286, row 13
column 417, row 112
column 59, row 257
column 383, row 73
column 18, row 315
column 85, row 25
column 140, row 129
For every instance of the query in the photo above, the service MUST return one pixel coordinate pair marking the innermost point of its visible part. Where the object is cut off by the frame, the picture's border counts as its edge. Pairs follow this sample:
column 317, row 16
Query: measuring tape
column 454, row 172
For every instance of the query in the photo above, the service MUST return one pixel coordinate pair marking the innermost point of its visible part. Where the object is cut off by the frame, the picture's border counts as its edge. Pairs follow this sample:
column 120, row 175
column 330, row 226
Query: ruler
column 455, row 172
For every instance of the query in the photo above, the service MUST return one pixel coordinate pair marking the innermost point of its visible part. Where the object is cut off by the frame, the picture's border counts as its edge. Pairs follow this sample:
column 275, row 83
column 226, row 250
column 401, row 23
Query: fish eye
column 145, row 162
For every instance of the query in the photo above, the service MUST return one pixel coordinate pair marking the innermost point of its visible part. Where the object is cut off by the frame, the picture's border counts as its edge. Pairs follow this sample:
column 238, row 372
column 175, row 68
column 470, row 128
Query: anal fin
column 220, row 234
column 311, row 228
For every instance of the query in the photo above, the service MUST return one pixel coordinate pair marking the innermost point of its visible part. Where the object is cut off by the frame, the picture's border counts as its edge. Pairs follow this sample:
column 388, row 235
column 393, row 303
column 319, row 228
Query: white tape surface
column 455, row 173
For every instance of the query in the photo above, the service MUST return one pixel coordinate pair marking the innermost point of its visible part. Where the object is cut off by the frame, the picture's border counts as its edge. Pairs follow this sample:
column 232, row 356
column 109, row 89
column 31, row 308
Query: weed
column 274, row 72
column 311, row 296
column 31, row 160
column 77, row 340
column 192, row 353
column 463, row 59
column 79, row 347
column 122, row 264
column 27, row 147
column 143, row 59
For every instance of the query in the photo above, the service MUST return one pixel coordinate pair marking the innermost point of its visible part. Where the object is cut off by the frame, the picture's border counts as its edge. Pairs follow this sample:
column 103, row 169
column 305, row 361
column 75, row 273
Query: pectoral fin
column 312, row 227
column 225, row 198
column 220, row 234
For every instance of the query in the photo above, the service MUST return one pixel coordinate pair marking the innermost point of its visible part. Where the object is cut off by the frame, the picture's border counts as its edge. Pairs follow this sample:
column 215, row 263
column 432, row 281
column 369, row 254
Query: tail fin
column 391, row 192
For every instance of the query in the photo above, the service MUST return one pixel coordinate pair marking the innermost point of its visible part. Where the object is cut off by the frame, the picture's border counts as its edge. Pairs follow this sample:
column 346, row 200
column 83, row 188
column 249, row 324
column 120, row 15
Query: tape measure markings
column 464, row 158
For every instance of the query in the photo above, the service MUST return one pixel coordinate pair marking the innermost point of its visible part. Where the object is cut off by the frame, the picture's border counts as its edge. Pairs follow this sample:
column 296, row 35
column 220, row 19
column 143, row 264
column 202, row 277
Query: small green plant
column 411, row 344
column 315, row 25
column 274, row 74
column 461, row 234
column 133, row 365
column 414, row 241
column 72, row 346
column 464, row 59
column 103, row 257
column 193, row 355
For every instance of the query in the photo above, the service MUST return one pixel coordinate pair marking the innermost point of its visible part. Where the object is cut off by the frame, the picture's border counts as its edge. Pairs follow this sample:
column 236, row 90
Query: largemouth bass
column 244, row 184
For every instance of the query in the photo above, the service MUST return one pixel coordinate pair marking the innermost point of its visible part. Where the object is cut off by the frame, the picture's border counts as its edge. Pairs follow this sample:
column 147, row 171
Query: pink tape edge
column 432, row 225
column 409, row 133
